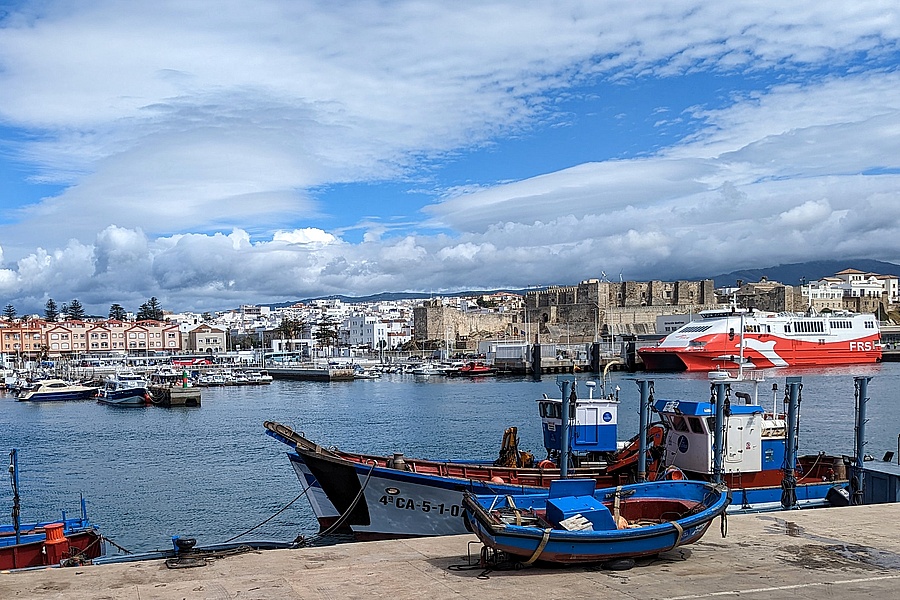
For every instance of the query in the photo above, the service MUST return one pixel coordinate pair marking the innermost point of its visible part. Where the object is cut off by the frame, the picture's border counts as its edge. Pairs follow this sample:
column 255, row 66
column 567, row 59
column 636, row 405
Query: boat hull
column 58, row 396
column 133, row 397
column 375, row 502
column 82, row 542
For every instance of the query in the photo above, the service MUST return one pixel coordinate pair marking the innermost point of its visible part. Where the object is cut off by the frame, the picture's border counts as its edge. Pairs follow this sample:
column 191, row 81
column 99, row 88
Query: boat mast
column 14, row 480
column 566, row 385
column 644, row 426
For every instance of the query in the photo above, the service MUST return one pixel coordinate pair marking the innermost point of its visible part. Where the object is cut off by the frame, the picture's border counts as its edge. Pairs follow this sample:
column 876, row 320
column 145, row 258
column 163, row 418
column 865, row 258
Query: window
column 696, row 425
column 679, row 423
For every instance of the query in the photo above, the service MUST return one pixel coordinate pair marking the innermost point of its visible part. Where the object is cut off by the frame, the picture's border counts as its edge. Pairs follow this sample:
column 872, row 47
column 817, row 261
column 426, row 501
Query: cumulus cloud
column 197, row 145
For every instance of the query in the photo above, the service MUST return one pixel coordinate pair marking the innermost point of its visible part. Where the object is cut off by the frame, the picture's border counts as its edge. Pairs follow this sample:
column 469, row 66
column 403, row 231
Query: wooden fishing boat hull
column 381, row 497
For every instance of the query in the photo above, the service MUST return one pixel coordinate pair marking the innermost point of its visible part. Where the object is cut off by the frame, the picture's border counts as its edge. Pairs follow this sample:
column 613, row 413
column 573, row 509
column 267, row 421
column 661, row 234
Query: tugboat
column 473, row 369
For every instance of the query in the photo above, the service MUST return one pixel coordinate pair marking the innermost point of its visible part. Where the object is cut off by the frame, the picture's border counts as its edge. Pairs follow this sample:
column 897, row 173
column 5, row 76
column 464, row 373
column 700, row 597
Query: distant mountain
column 795, row 273
column 790, row 274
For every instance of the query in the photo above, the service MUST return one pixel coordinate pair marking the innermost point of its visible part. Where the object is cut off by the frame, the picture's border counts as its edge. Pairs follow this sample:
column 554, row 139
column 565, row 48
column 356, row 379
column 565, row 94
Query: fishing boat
column 385, row 497
column 55, row 390
column 571, row 522
column 126, row 388
column 382, row 497
column 759, row 461
column 739, row 337
column 63, row 542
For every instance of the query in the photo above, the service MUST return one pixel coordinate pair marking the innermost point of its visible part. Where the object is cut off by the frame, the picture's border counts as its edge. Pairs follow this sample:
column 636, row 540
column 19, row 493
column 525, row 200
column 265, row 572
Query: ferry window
column 679, row 423
column 696, row 425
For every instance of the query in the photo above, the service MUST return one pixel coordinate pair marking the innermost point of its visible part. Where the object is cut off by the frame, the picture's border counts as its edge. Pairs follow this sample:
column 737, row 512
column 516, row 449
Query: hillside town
column 595, row 310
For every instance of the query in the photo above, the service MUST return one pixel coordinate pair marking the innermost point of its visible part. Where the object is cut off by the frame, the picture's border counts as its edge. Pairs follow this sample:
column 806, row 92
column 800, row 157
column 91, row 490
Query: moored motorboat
column 126, row 389
column 737, row 337
column 55, row 390
column 571, row 522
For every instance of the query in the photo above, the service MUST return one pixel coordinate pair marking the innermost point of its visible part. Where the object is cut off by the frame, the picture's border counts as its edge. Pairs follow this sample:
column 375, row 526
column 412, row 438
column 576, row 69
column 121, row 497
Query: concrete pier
column 851, row 552
column 312, row 373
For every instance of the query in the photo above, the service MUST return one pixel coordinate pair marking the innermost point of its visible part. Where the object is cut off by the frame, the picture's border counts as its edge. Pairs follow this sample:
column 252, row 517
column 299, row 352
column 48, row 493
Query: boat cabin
column 592, row 429
column 754, row 441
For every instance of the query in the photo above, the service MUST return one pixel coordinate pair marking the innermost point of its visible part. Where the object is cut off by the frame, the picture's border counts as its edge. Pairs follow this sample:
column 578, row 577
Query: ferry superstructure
column 737, row 337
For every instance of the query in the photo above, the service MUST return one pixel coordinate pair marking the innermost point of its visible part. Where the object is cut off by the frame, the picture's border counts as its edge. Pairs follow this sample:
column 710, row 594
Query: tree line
column 74, row 311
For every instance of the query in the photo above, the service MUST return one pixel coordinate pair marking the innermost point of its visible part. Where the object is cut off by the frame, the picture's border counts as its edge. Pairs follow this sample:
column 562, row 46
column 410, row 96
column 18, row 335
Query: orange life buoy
column 674, row 474
column 546, row 464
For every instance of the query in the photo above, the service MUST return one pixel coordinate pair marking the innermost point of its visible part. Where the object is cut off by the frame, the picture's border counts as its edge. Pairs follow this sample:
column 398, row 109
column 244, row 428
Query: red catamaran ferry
column 737, row 337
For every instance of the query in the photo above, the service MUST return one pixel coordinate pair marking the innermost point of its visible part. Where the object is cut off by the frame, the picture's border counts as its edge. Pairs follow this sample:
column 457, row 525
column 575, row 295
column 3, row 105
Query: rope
column 286, row 506
column 337, row 524
column 616, row 503
column 537, row 551
column 680, row 531
column 118, row 547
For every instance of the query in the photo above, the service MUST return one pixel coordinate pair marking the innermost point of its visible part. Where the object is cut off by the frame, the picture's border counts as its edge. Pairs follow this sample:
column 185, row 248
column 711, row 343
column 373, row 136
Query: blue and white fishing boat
column 572, row 523
column 126, row 388
column 55, row 390
column 378, row 497
column 759, row 460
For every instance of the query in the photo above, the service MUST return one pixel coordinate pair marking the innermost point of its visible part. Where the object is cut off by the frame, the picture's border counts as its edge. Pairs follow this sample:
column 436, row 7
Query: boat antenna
column 774, row 400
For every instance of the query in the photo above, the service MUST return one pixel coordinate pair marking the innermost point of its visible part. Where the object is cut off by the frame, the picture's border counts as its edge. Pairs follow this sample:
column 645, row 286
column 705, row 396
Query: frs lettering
column 862, row 346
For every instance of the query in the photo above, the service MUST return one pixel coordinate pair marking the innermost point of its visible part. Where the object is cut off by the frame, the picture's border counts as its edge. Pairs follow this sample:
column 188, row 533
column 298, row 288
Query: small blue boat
column 573, row 523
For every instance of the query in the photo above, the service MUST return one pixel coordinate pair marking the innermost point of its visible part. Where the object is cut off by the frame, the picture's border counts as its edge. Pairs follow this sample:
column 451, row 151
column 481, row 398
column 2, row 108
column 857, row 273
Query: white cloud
column 173, row 123
column 308, row 235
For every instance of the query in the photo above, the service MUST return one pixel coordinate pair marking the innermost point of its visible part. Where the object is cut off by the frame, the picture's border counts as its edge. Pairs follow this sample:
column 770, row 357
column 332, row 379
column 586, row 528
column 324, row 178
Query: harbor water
column 210, row 472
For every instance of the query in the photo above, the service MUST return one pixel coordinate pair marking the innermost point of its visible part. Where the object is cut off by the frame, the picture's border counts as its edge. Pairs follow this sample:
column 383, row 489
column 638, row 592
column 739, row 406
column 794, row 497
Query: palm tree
column 289, row 329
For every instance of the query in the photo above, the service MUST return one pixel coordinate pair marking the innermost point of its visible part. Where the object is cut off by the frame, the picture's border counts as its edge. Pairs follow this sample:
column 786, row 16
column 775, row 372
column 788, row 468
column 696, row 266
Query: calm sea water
column 211, row 472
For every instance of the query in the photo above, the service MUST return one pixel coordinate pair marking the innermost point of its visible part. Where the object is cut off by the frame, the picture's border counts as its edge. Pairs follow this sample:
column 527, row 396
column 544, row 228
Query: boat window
column 696, row 425
column 694, row 328
column 711, row 424
column 550, row 410
column 679, row 423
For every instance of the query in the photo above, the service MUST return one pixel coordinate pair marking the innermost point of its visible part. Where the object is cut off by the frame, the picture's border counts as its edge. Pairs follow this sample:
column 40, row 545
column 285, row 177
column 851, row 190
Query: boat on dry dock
column 572, row 523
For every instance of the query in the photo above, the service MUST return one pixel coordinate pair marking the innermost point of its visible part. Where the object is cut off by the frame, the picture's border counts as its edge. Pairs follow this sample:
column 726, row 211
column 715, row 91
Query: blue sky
column 218, row 153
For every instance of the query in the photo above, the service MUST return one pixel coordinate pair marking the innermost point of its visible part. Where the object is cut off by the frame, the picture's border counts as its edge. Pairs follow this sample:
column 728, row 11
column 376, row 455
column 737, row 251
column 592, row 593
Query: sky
column 212, row 154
